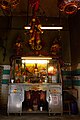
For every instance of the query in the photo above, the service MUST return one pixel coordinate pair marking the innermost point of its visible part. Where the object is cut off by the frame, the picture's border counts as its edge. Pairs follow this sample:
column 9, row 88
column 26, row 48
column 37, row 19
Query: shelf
column 38, row 111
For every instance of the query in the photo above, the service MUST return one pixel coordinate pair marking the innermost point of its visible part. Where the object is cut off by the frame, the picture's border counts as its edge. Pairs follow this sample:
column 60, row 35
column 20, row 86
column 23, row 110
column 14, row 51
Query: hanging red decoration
column 34, row 4
column 69, row 6
column 8, row 4
column 35, row 31
column 18, row 47
column 56, row 47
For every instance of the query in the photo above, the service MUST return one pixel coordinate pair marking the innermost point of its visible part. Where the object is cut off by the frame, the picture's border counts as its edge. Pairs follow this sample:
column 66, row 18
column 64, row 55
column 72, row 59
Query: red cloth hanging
column 34, row 4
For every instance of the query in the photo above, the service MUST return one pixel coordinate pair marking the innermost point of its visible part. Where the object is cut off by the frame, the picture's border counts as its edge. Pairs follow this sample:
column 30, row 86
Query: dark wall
column 74, row 24
column 5, row 23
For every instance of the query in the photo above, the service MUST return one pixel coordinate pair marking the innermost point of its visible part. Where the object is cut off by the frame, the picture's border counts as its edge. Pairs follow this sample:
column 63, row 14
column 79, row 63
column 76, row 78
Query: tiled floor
column 38, row 117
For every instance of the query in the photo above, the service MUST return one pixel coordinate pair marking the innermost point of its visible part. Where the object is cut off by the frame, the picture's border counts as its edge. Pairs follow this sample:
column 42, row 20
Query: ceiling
column 46, row 8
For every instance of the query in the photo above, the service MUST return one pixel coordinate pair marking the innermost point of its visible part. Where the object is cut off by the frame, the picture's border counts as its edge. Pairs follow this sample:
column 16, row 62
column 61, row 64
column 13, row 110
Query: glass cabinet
column 35, row 70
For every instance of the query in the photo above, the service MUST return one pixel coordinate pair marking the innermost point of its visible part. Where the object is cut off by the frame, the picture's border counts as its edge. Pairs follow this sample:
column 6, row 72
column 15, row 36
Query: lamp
column 41, row 60
column 45, row 28
column 36, row 58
